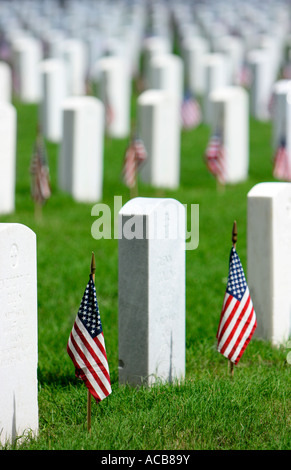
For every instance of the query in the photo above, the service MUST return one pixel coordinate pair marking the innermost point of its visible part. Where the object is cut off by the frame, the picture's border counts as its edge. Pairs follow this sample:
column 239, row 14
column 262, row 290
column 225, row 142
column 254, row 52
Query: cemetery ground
column 210, row 409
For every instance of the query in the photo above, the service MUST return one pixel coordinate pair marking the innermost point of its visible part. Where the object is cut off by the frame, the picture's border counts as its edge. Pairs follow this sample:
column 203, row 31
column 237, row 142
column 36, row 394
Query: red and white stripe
column 236, row 327
column 129, row 167
column 190, row 114
column 89, row 357
column 215, row 158
column 135, row 155
column 281, row 164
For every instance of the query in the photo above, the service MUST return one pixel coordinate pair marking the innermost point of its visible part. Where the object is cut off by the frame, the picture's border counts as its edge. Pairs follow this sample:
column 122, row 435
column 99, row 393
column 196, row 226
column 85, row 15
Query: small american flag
column 190, row 112
column 215, row 158
column 135, row 156
column 244, row 76
column 238, row 319
column 86, row 346
column 40, row 183
column 281, row 168
column 109, row 113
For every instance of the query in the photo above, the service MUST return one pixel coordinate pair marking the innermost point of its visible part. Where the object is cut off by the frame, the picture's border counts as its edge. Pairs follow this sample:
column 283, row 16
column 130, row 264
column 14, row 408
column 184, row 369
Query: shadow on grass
column 63, row 379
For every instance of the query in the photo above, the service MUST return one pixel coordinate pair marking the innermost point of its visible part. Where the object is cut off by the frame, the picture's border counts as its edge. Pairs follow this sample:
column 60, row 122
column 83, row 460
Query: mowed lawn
column 210, row 409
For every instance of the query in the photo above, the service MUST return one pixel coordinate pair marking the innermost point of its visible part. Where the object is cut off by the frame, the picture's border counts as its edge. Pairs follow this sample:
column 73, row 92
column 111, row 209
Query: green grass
column 209, row 410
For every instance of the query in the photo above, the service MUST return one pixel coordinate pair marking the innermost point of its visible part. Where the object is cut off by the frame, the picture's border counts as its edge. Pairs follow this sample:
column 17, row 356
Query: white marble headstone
column 260, row 65
column 281, row 114
column 217, row 74
column 115, row 92
column 5, row 82
column 26, row 55
column 18, row 332
column 151, row 291
column 8, row 136
column 230, row 118
column 53, row 93
column 193, row 51
column 80, row 170
column 269, row 259
column 158, row 128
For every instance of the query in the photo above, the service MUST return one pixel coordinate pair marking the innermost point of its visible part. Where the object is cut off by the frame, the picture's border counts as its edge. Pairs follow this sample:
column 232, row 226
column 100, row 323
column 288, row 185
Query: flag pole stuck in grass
column 238, row 318
column 86, row 347
column 93, row 269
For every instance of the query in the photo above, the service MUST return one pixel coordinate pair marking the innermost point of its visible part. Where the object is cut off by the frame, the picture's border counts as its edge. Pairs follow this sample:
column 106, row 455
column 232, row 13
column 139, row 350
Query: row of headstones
column 83, row 125
column 62, row 78
column 55, row 79
column 151, row 299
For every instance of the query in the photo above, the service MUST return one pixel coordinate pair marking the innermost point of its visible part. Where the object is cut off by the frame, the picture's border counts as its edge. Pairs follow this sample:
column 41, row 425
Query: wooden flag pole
column 234, row 240
column 93, row 269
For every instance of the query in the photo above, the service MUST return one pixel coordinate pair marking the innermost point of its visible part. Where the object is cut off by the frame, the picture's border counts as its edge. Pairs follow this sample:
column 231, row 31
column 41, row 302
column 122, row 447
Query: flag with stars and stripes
column 238, row 318
column 86, row 346
column 282, row 168
column 40, row 181
column 135, row 156
column 190, row 112
column 109, row 113
column 215, row 158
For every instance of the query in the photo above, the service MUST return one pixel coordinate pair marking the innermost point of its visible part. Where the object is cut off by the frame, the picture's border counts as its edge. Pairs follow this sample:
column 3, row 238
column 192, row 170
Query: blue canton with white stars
column 236, row 284
column 89, row 311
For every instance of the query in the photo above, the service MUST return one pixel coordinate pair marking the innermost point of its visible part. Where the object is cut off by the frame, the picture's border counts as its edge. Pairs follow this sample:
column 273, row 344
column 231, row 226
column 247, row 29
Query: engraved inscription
column 16, row 339
column 14, row 255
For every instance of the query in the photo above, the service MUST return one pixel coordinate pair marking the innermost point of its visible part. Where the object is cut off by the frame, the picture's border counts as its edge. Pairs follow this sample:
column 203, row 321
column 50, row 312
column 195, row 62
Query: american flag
column 238, row 318
column 281, row 168
column 215, row 158
column 190, row 112
column 109, row 113
column 135, row 155
column 244, row 76
column 86, row 346
column 40, row 182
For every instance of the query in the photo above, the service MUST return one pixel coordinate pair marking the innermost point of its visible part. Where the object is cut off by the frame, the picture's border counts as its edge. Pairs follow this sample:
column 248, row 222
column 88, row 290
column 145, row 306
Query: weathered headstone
column 230, row 120
column 5, row 82
column 8, row 135
column 53, row 93
column 160, row 132
column 18, row 332
column 268, row 259
column 80, row 171
column 114, row 92
column 151, row 291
